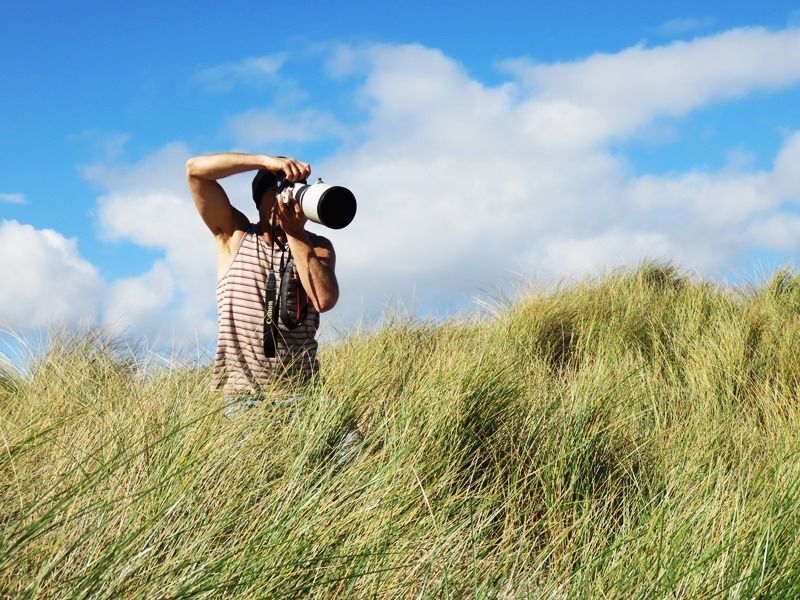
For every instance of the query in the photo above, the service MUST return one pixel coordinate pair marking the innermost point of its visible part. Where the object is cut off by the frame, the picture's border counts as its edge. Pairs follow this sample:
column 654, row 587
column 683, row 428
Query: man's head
column 263, row 182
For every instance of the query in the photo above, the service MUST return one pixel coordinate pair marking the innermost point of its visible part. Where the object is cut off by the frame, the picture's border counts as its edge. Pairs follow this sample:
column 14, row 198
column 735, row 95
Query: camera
column 331, row 205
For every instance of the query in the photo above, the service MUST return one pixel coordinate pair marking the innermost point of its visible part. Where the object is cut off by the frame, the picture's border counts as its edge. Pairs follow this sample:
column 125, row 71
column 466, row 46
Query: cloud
column 461, row 184
column 162, row 170
column 13, row 198
column 786, row 168
column 590, row 254
column 779, row 232
column 137, row 304
column 260, row 127
column 343, row 60
column 224, row 77
column 677, row 27
column 46, row 282
column 106, row 145
column 611, row 95
column 148, row 203
column 718, row 200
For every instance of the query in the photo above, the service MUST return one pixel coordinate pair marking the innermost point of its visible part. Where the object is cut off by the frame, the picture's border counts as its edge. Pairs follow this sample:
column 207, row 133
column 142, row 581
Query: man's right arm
column 210, row 199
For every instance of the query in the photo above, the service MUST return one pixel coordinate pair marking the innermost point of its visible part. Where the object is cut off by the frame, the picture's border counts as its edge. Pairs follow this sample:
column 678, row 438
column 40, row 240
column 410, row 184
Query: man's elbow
column 191, row 168
column 326, row 302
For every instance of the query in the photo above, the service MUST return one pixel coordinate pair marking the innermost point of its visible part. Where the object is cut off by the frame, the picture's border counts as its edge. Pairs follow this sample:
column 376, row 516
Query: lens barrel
column 331, row 205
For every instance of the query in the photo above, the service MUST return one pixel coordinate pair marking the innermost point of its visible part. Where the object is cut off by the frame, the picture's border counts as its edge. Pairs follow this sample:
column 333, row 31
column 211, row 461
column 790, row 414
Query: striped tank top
column 240, row 365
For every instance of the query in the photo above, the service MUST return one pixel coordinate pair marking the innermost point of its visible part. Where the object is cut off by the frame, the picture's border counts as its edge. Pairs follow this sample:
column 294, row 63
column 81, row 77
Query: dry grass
column 631, row 437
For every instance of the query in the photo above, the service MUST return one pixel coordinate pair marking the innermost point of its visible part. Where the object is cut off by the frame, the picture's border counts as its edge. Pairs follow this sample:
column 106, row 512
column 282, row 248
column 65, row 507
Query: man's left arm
column 314, row 258
column 315, row 261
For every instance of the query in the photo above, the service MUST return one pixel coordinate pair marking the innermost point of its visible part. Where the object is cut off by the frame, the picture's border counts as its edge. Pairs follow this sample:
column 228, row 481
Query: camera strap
column 300, row 313
column 276, row 301
column 271, row 301
column 271, row 317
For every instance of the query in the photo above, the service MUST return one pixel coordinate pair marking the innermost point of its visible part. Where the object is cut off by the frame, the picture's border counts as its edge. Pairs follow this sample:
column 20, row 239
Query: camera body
column 331, row 205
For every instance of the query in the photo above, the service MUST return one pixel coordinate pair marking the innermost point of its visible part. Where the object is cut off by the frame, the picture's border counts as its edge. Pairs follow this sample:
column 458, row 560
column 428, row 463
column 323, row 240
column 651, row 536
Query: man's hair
column 261, row 183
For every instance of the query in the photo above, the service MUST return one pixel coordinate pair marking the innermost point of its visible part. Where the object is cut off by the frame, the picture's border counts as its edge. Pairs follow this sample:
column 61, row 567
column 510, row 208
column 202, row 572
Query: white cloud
column 135, row 303
column 779, row 232
column 460, row 184
column 584, row 256
column 720, row 199
column 153, row 306
column 224, row 77
column 342, row 60
column 106, row 145
column 154, row 172
column 148, row 203
column 611, row 95
column 45, row 280
column 259, row 127
column 676, row 27
column 787, row 167
column 13, row 198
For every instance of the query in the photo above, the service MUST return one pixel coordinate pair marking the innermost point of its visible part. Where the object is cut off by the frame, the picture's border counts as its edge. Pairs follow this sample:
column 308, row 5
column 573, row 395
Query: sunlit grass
column 635, row 436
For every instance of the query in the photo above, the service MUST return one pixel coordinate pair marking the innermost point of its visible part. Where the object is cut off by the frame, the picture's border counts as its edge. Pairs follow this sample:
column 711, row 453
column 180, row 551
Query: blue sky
column 523, row 141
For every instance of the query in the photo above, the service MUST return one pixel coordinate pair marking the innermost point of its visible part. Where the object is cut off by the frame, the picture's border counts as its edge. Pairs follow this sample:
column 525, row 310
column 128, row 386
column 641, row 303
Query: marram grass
column 632, row 437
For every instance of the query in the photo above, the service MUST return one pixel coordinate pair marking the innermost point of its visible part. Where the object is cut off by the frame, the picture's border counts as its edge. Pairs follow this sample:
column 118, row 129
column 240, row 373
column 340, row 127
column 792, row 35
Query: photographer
column 273, row 276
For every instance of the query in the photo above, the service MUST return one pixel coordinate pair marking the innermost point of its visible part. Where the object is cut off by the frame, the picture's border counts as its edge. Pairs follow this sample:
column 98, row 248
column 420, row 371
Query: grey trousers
column 349, row 445
column 236, row 406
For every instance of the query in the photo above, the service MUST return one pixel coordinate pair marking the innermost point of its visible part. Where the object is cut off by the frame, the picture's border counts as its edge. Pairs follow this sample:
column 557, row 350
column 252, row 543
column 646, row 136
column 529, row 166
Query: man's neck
column 264, row 229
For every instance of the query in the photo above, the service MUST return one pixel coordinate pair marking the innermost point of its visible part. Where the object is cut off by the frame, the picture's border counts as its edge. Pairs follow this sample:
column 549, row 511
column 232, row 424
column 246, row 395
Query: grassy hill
column 635, row 436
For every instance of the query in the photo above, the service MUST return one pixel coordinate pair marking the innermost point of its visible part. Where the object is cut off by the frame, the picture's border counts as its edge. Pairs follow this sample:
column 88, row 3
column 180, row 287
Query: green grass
column 631, row 437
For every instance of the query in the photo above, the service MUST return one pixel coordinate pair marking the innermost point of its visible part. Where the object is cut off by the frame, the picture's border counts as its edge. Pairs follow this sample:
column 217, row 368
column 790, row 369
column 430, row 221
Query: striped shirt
column 240, row 366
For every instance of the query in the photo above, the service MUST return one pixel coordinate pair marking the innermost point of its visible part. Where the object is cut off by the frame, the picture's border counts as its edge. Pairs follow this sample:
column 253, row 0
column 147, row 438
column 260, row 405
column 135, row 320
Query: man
column 273, row 277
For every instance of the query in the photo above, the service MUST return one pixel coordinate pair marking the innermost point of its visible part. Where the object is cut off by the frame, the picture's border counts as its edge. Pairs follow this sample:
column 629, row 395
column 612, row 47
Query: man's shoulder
column 319, row 241
column 241, row 221
column 241, row 227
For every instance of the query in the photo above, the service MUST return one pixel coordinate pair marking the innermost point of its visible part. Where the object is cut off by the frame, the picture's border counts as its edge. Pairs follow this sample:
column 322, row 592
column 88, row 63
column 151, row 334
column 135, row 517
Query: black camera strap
column 271, row 301
column 271, row 317
column 275, row 304
column 300, row 313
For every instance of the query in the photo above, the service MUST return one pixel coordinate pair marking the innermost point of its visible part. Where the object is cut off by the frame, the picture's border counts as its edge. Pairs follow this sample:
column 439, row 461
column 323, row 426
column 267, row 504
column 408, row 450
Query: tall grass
column 635, row 436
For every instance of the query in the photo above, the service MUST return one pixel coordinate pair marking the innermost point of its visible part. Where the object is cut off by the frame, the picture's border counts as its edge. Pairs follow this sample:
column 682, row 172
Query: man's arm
column 211, row 200
column 315, row 260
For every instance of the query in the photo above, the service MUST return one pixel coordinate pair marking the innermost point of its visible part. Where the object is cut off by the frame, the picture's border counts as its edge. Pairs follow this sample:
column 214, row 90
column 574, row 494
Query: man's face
column 267, row 200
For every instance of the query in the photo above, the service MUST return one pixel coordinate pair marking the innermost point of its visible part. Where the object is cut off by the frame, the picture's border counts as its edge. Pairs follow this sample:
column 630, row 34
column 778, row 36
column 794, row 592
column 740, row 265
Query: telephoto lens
column 331, row 205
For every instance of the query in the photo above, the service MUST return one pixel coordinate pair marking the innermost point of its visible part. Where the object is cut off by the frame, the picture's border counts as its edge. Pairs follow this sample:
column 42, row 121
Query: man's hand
column 293, row 169
column 290, row 215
